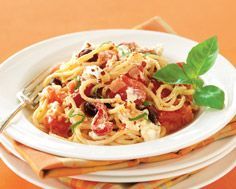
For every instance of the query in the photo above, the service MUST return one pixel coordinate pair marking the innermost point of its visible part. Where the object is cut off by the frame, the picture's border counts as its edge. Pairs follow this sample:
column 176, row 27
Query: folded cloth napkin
column 50, row 166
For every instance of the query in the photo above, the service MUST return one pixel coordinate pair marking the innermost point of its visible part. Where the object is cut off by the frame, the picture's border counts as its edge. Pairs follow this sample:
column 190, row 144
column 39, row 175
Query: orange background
column 24, row 22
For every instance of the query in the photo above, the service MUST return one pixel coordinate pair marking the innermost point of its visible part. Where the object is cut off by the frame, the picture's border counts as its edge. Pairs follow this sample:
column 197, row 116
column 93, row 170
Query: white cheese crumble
column 92, row 70
column 149, row 131
column 131, row 95
column 54, row 108
column 123, row 51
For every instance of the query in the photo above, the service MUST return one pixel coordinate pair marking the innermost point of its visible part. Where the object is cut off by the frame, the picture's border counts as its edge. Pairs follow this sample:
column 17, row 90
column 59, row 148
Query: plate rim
column 224, row 147
column 43, row 184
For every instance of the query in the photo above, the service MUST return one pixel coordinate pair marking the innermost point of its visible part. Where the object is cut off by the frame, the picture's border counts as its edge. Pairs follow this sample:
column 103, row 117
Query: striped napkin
column 50, row 166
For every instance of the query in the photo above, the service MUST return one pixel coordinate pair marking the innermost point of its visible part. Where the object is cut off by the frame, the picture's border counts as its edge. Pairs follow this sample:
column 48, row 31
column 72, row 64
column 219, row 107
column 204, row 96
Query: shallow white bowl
column 24, row 65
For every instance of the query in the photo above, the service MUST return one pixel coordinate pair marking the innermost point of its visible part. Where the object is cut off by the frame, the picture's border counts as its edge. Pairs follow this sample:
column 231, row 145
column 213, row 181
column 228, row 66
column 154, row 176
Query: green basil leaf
column 73, row 126
column 143, row 115
column 201, row 57
column 210, row 96
column 147, row 103
column 172, row 74
column 198, row 82
column 71, row 114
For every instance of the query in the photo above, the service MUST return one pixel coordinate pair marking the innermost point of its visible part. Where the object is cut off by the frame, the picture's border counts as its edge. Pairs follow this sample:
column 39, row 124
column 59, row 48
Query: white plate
column 199, row 180
column 144, row 178
column 23, row 66
column 194, row 158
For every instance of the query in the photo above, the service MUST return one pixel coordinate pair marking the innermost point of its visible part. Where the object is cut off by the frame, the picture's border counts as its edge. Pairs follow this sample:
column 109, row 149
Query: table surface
column 25, row 22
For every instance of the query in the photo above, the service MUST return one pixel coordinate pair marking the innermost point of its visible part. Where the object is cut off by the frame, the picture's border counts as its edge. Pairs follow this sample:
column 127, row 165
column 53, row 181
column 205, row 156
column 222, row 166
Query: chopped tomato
column 53, row 96
column 132, row 82
column 78, row 99
column 72, row 85
column 100, row 125
column 125, row 83
column 88, row 90
column 156, row 85
column 104, row 56
column 117, row 85
column 136, row 73
column 176, row 120
column 59, row 126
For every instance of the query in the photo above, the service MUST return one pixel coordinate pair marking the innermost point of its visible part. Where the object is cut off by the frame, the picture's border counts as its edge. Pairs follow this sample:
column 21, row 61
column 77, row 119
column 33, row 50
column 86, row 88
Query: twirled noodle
column 82, row 88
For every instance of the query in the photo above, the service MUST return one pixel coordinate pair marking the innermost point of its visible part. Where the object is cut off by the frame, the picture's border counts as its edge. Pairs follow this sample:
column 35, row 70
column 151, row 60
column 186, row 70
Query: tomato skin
column 71, row 86
column 53, row 96
column 156, row 85
column 78, row 99
column 176, row 120
column 126, row 83
column 137, row 73
column 88, row 90
column 117, row 85
column 100, row 124
column 58, row 126
column 132, row 82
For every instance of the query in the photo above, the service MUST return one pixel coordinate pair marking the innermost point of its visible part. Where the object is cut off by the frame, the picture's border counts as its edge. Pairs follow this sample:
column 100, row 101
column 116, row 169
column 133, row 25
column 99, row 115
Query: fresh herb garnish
column 71, row 114
column 143, row 115
column 78, row 82
column 172, row 74
column 147, row 103
column 73, row 126
column 200, row 59
column 209, row 95
column 123, row 52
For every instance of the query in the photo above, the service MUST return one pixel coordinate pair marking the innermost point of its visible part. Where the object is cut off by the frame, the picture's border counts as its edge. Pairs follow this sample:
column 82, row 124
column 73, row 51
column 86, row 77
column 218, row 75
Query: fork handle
column 11, row 116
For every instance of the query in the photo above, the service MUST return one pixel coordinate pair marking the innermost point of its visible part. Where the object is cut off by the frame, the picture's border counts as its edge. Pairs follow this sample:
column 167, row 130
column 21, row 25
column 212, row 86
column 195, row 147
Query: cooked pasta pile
column 106, row 95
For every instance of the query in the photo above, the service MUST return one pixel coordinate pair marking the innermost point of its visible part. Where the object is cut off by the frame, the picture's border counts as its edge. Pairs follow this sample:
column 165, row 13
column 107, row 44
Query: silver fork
column 27, row 96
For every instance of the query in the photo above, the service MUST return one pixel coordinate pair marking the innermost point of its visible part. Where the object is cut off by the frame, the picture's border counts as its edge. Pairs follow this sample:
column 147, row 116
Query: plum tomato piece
column 78, row 99
column 100, row 124
column 136, row 73
column 59, row 126
column 72, row 85
column 53, row 96
column 176, row 120
column 123, row 84
column 88, row 90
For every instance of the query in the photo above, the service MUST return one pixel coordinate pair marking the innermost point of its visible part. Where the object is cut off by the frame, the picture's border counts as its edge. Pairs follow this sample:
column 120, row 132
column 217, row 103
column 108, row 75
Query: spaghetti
column 105, row 95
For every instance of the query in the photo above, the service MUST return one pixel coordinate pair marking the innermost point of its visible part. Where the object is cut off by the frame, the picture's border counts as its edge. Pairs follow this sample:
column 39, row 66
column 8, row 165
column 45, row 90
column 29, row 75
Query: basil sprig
column 71, row 114
column 140, row 116
column 200, row 59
